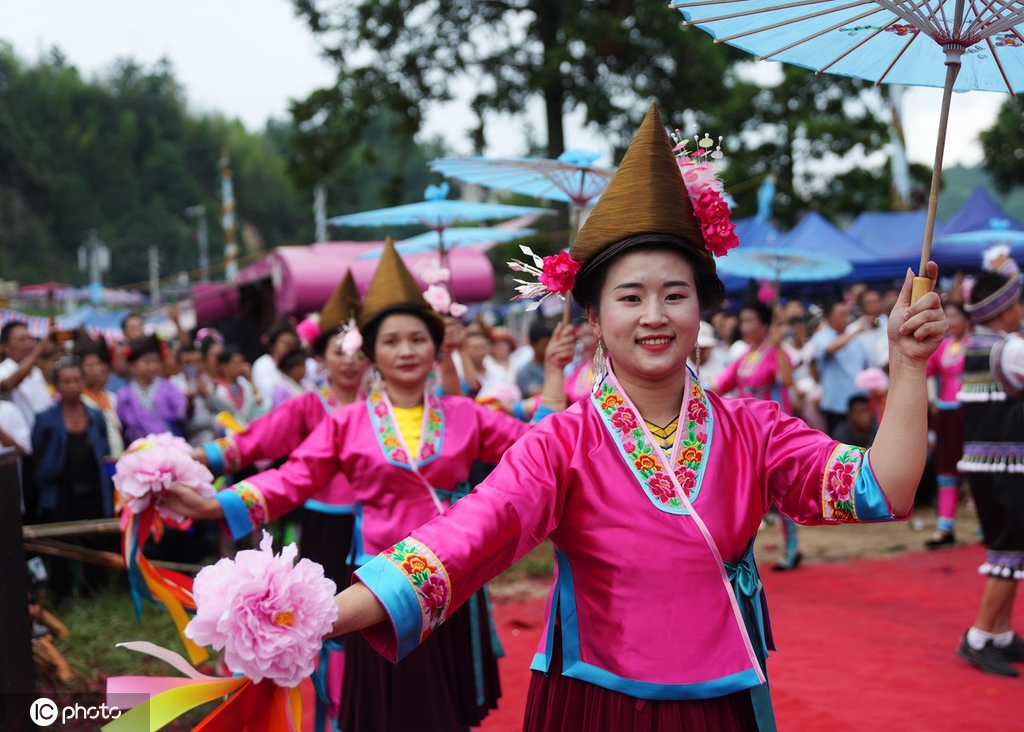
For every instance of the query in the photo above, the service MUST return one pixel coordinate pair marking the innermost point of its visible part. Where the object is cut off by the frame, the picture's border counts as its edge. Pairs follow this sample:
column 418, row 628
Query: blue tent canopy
column 753, row 232
column 894, row 236
column 979, row 224
column 108, row 321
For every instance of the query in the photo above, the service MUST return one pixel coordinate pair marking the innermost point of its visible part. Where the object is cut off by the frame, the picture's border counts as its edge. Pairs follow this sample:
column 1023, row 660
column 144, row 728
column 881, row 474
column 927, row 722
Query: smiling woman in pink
column 406, row 453
column 655, row 619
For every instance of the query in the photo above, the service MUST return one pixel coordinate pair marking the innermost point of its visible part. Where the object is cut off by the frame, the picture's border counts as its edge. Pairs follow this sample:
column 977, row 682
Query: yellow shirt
column 410, row 423
column 665, row 436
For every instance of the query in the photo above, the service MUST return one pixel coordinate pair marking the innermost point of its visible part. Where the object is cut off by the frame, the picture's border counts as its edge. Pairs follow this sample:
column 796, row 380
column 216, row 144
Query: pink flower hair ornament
column 700, row 169
column 556, row 275
column 349, row 338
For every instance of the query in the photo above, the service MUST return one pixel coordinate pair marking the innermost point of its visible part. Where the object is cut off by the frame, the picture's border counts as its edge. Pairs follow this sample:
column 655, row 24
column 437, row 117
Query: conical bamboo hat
column 343, row 305
column 393, row 287
column 646, row 195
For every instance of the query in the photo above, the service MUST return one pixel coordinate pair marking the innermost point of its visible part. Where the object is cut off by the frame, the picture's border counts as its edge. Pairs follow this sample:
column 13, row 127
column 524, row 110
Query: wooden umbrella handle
column 922, row 286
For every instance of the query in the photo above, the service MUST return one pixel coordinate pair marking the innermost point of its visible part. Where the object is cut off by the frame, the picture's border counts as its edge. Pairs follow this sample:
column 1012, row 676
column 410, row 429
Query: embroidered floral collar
column 328, row 399
column 641, row 452
column 389, row 437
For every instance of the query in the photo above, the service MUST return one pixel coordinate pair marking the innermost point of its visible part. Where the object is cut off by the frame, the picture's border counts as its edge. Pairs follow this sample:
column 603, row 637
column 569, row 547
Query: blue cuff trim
column 541, row 413
column 393, row 590
column 871, row 503
column 329, row 508
column 519, row 412
column 215, row 457
column 235, row 514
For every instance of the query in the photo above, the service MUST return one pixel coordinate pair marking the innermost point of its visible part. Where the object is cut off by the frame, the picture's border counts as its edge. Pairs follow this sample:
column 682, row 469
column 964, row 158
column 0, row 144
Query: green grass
column 97, row 625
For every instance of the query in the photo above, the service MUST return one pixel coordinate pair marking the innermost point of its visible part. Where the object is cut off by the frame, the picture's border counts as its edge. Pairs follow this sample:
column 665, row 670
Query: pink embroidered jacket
column 756, row 374
column 276, row 435
column 361, row 441
column 646, row 606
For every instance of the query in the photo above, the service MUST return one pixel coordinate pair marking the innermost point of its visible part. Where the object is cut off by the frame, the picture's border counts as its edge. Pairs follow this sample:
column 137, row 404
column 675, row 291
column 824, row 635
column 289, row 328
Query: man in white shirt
column 279, row 340
column 15, row 432
column 872, row 328
column 19, row 375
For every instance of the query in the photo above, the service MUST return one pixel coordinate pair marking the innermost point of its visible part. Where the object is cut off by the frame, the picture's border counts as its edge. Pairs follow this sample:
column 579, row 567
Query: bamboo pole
column 71, row 528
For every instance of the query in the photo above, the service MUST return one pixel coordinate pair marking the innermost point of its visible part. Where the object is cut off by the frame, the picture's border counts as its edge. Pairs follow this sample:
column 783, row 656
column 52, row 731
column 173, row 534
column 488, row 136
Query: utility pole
column 227, row 217
column 154, row 276
column 320, row 211
column 94, row 258
column 199, row 214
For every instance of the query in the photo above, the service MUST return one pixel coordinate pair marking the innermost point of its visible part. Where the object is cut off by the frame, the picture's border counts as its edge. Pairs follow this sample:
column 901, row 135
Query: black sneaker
column 1015, row 651
column 939, row 539
column 989, row 659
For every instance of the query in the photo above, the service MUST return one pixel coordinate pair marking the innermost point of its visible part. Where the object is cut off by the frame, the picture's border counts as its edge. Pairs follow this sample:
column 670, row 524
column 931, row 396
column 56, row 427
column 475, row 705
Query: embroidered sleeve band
column 413, row 586
column 850, row 492
column 223, row 455
column 245, row 510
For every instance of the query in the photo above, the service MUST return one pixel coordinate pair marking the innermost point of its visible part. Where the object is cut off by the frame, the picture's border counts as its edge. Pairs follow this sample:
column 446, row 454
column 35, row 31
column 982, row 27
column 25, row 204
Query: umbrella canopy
column 572, row 178
column 880, row 41
column 468, row 236
column 779, row 264
column 920, row 43
column 435, row 212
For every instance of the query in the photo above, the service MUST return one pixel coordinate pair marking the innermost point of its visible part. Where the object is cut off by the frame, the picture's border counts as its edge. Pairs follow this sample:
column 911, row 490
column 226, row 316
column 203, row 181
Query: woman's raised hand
column 561, row 347
column 916, row 330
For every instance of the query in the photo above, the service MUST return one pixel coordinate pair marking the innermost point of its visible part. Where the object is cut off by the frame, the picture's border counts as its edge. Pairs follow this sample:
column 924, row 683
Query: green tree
column 1003, row 146
column 607, row 56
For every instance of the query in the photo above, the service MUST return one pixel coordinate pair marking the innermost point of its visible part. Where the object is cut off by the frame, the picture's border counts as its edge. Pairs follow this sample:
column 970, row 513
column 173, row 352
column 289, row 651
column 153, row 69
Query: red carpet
column 863, row 645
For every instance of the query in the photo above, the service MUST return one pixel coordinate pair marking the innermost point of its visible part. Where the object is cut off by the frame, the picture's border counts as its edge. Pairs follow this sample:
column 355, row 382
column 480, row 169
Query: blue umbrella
column 437, row 213
column 572, row 178
column 779, row 264
column 427, row 241
column 920, row 43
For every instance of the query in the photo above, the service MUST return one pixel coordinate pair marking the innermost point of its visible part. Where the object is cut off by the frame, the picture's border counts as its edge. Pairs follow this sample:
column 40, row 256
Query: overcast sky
column 247, row 58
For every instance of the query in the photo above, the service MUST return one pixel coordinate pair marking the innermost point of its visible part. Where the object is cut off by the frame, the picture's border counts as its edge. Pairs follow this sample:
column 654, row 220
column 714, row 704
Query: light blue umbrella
column 427, row 241
column 437, row 213
column 909, row 42
column 779, row 264
column 572, row 178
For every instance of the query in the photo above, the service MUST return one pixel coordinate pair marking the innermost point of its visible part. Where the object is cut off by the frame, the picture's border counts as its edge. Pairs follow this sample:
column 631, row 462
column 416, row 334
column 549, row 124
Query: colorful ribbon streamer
column 171, row 589
column 256, row 707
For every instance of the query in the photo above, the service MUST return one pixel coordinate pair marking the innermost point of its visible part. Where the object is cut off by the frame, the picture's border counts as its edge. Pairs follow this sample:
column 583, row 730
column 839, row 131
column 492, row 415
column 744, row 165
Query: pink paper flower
column 438, row 297
column 308, row 330
column 433, row 273
column 872, row 380
column 699, row 169
column 350, row 339
column 457, row 309
column 556, row 275
column 154, row 465
column 268, row 613
column 559, row 273
column 163, row 439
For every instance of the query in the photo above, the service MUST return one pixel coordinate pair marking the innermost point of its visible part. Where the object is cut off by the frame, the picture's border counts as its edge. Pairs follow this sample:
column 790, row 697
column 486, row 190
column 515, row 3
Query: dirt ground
column 530, row 578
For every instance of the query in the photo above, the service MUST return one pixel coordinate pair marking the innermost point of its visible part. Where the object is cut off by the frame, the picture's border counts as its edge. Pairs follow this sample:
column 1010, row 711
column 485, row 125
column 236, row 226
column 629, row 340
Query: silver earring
column 698, row 362
column 600, row 367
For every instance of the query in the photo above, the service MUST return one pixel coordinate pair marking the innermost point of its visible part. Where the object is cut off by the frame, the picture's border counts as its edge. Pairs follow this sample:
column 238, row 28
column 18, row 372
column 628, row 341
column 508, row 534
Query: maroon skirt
column 446, row 684
column 557, row 703
column 327, row 540
column 949, row 440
